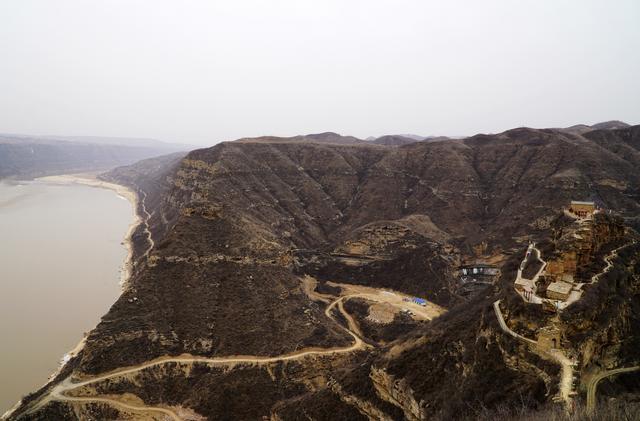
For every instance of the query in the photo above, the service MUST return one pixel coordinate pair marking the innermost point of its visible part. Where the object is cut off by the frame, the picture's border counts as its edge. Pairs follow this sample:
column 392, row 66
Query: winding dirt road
column 507, row 329
column 145, row 221
column 592, row 385
column 566, row 374
column 58, row 395
column 398, row 300
column 59, row 392
column 608, row 260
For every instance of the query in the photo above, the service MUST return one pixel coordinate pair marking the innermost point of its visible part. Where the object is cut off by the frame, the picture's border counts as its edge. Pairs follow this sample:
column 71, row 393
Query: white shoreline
column 127, row 267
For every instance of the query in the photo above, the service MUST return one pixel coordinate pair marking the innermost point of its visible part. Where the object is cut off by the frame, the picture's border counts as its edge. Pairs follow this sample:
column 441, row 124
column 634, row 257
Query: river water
column 61, row 253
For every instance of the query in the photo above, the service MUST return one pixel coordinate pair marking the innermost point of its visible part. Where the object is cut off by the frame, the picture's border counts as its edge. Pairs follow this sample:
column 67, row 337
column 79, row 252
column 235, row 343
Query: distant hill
column 415, row 136
column 394, row 140
column 326, row 137
column 96, row 140
column 580, row 129
column 338, row 139
column 610, row 125
column 123, row 141
column 400, row 140
column 24, row 156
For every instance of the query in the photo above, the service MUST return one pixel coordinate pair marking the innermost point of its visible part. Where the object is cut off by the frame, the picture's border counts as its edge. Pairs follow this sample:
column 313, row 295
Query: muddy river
column 61, row 254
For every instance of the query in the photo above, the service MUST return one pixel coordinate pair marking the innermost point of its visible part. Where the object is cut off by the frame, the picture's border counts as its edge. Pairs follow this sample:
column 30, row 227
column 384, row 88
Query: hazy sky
column 206, row 71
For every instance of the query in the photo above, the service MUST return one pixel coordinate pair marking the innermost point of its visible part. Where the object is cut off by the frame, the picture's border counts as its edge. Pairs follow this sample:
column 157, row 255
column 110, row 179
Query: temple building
column 582, row 209
column 559, row 290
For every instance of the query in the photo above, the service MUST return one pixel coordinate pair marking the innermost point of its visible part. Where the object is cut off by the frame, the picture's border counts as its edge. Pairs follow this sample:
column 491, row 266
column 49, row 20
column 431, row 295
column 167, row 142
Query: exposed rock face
column 577, row 248
column 603, row 326
column 365, row 407
column 235, row 226
column 397, row 392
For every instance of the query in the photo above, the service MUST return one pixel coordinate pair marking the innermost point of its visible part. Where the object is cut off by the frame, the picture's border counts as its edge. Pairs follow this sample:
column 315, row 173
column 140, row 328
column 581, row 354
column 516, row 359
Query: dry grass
column 606, row 412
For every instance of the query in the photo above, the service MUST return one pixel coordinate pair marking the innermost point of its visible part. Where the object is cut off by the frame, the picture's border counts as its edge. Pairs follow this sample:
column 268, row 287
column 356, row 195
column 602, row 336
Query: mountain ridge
column 250, row 236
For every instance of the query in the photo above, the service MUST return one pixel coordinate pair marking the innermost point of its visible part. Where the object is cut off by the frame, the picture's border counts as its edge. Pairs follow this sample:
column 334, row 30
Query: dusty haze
column 204, row 71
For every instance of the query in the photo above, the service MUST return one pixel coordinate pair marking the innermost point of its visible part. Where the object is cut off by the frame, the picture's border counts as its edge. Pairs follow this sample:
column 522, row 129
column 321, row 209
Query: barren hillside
column 284, row 255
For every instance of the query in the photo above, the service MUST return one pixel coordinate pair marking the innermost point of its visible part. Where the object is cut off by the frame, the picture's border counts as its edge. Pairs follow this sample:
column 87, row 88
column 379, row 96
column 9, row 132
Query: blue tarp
column 420, row 301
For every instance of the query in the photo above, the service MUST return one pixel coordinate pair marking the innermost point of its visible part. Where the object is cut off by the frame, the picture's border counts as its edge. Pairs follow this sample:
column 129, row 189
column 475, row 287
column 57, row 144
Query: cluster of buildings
column 555, row 287
column 562, row 273
column 478, row 270
column 476, row 276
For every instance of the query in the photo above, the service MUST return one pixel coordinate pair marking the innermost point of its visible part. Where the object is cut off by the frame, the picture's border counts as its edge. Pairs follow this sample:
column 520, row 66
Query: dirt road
column 566, row 374
column 608, row 260
column 145, row 220
column 59, row 392
column 396, row 299
column 592, row 385
column 507, row 329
